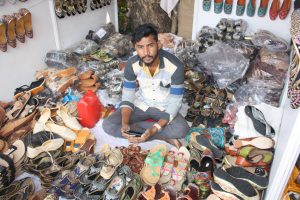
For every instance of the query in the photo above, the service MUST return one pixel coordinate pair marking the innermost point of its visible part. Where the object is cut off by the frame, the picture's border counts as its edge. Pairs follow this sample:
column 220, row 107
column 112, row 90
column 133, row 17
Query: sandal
column 167, row 167
column 35, row 88
column 191, row 192
column 3, row 37
column 113, row 160
column 10, row 23
column 258, row 142
column 18, row 106
column 20, row 31
column 27, row 22
column 259, row 122
column 150, row 172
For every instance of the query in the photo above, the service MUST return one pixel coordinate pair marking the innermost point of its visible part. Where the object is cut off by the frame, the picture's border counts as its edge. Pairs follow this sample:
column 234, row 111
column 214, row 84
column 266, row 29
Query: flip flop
column 259, row 122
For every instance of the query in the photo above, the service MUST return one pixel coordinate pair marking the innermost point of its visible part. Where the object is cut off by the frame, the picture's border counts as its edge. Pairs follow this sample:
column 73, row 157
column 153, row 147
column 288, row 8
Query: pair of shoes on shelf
column 13, row 27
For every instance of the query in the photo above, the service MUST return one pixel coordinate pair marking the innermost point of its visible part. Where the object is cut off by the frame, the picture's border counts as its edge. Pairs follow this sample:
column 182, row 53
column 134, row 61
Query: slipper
column 88, row 146
column 226, row 195
column 206, row 143
column 40, row 124
column 259, row 122
column 150, row 172
column 258, row 142
column 230, row 161
column 16, row 151
column 167, row 167
column 258, row 182
column 82, row 137
column 237, row 186
column 68, row 120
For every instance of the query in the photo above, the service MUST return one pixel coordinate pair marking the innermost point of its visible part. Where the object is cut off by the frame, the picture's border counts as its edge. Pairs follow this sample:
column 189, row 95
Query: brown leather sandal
column 3, row 38
column 27, row 22
column 18, row 106
column 10, row 30
column 20, row 30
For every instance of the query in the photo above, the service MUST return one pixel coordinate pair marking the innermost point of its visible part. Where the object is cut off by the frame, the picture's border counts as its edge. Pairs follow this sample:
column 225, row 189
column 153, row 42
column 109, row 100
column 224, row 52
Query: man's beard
column 153, row 59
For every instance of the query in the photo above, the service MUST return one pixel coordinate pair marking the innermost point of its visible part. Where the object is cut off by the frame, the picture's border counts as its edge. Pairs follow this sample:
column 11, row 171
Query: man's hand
column 144, row 137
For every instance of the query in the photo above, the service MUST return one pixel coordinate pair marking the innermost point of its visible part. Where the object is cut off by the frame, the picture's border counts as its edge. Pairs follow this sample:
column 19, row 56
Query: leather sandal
column 20, row 30
column 3, row 37
column 18, row 106
column 10, row 23
column 27, row 22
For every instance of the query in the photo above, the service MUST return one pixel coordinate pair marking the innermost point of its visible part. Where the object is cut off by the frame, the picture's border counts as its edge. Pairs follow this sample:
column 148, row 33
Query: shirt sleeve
column 176, row 92
column 129, row 86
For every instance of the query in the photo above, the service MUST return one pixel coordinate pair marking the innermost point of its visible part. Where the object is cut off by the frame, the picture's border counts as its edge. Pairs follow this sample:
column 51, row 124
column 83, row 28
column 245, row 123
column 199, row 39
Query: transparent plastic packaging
column 102, row 33
column 117, row 45
column 84, row 47
column 61, row 59
column 268, row 40
column 224, row 63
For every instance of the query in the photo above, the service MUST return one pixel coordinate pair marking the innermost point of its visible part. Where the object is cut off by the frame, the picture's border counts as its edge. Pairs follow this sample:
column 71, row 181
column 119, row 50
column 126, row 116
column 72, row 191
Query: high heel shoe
column 3, row 38
column 27, row 22
column 20, row 27
column 58, row 9
column 10, row 30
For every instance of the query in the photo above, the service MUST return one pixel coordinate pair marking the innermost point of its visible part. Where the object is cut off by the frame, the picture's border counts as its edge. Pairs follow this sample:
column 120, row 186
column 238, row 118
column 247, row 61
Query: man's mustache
column 147, row 57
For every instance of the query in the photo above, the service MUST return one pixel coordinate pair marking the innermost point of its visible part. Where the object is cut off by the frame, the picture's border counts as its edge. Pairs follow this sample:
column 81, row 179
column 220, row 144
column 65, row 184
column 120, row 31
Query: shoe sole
column 216, row 189
column 257, row 181
column 205, row 143
column 236, row 186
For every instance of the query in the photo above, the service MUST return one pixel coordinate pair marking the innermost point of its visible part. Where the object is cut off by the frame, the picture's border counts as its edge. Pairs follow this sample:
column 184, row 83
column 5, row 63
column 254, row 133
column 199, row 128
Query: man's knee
column 108, row 126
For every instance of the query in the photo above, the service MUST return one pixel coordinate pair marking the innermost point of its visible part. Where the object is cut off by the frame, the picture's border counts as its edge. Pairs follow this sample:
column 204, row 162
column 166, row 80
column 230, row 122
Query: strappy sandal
column 20, row 30
column 27, row 22
column 3, row 37
column 10, row 23
column 35, row 87
column 167, row 167
column 18, row 106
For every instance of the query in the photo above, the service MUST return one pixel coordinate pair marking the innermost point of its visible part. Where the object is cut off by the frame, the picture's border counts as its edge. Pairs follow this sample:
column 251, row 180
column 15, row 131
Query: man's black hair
column 144, row 30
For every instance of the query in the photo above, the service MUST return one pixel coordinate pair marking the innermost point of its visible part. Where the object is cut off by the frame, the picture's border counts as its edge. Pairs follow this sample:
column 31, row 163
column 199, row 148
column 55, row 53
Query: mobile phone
column 134, row 133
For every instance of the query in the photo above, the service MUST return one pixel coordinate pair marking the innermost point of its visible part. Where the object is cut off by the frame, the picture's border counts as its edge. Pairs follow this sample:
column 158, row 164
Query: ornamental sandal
column 150, row 172
column 167, row 167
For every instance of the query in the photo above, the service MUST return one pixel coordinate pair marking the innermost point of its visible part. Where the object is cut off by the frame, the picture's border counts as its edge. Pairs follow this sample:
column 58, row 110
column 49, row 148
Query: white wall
column 18, row 65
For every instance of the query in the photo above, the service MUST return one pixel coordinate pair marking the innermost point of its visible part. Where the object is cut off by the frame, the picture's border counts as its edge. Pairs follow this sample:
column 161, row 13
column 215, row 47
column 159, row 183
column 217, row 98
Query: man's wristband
column 156, row 125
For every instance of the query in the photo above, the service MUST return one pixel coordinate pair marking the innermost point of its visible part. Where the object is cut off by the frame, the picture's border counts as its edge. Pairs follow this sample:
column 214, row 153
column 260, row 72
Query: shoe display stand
column 50, row 33
column 288, row 137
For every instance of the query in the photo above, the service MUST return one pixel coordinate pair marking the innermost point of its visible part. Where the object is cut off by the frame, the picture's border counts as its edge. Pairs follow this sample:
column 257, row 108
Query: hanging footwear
column 3, row 38
column 20, row 28
column 251, row 8
column 58, row 9
column 83, row 4
column 72, row 7
column 27, row 22
column 10, row 30
column 263, row 7
column 285, row 9
column 240, row 7
column 78, row 6
column 228, row 7
column 93, row 5
column 274, row 9
column 65, row 7
column 206, row 5
column 218, row 6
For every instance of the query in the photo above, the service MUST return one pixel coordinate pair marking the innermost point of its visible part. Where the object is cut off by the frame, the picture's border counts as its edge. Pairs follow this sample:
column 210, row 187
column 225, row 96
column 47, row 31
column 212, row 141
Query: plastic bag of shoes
column 61, row 59
column 84, row 47
column 101, row 34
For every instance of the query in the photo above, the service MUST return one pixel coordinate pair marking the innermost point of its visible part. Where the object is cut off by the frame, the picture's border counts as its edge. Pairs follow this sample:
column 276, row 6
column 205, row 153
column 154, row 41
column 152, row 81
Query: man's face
column 147, row 49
